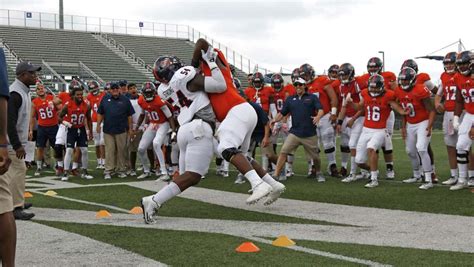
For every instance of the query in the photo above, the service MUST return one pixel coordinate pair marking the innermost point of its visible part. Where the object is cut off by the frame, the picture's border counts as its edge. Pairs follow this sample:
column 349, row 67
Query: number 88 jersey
column 377, row 108
column 178, row 95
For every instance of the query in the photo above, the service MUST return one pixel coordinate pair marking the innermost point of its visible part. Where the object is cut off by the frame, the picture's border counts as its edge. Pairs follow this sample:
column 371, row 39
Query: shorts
column 77, row 137
column 310, row 145
column 369, row 139
column 46, row 133
column 61, row 135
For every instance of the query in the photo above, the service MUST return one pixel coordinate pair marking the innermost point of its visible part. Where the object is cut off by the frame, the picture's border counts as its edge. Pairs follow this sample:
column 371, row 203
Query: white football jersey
column 177, row 94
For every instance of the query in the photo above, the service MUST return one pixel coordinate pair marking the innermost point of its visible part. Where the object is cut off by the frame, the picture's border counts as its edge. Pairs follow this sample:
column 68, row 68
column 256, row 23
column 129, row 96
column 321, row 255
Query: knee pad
column 462, row 157
column 228, row 153
column 345, row 149
column 58, row 150
column 329, row 150
column 386, row 152
column 218, row 161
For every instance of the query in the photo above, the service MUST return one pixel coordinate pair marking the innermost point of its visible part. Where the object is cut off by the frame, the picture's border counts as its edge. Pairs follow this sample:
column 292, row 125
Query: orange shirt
column 77, row 113
column 222, row 102
column 449, row 90
column 412, row 100
column 261, row 97
column 465, row 86
column 354, row 88
column 153, row 108
column 94, row 101
column 421, row 78
column 388, row 78
column 45, row 111
column 316, row 87
column 65, row 97
column 280, row 96
column 377, row 109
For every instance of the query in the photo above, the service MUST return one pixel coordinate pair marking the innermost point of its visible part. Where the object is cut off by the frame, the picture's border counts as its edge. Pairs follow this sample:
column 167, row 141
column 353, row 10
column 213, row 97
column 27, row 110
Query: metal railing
column 120, row 26
column 91, row 73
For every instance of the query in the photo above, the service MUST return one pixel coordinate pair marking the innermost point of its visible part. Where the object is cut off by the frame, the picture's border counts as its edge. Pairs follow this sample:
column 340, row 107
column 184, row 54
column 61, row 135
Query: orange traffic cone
column 283, row 241
column 136, row 210
column 102, row 214
column 247, row 247
column 27, row 195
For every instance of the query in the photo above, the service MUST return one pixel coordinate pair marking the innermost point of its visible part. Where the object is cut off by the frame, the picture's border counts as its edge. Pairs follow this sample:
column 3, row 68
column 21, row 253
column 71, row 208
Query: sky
column 288, row 34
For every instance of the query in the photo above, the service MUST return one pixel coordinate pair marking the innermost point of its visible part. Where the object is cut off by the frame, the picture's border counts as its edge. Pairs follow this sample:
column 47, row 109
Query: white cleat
column 164, row 177
column 321, row 178
column 450, row 181
column 225, row 173
column 149, row 207
column 412, row 180
column 107, row 176
column 87, row 176
column 426, row 186
column 460, row 185
column 278, row 189
column 38, row 172
column 144, row 175
column 258, row 192
column 470, row 183
column 362, row 175
column 349, row 178
column 240, row 179
column 65, row 178
column 372, row 184
column 390, row 175
column 122, row 175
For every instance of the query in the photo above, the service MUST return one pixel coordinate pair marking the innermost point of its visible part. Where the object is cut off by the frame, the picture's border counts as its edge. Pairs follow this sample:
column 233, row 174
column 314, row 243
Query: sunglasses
column 298, row 84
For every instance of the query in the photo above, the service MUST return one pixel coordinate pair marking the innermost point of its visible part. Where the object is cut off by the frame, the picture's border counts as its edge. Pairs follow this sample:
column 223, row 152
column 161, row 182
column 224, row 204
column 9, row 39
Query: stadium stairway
column 63, row 46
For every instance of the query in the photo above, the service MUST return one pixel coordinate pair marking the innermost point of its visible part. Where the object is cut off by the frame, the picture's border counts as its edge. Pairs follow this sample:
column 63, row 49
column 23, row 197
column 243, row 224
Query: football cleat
column 349, row 178
column 470, row 182
column 390, row 175
column 107, row 176
column 122, row 175
column 144, row 175
column 86, row 175
column 225, row 173
column 321, row 178
column 65, row 177
column 362, row 175
column 451, row 181
column 278, row 189
column 412, row 180
column 164, row 177
column 240, row 179
column 149, row 207
column 460, row 185
column 38, row 172
column 133, row 173
column 258, row 192
column 372, row 184
column 426, row 186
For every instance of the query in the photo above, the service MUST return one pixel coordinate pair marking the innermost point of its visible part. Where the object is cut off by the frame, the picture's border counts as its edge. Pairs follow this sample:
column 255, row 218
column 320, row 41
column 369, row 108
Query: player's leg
column 410, row 148
column 463, row 147
column 158, row 141
column 145, row 142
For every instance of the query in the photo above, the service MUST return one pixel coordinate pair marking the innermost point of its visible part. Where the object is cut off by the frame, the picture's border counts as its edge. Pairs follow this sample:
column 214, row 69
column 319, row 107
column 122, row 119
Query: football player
column 94, row 97
column 417, row 125
column 321, row 87
column 377, row 104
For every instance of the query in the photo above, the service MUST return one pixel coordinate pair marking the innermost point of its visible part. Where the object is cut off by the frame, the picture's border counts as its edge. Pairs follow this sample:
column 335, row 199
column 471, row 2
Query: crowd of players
column 193, row 108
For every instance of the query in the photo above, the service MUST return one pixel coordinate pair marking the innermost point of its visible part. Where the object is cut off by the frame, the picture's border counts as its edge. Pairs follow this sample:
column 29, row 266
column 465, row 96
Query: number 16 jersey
column 377, row 109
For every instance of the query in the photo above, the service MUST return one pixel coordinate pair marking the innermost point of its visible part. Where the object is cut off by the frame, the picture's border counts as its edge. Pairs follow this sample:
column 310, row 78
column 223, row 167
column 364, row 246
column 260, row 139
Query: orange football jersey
column 94, row 101
column 222, row 102
column 45, row 111
column 280, row 96
column 421, row 78
column 412, row 101
column 316, row 87
column 354, row 88
column 261, row 97
column 77, row 113
column 388, row 78
column 465, row 86
column 449, row 90
column 153, row 109
column 377, row 109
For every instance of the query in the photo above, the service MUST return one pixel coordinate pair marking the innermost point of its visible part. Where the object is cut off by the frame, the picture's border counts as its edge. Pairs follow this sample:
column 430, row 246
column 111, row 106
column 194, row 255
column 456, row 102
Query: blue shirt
column 302, row 110
column 116, row 112
column 4, row 89
column 259, row 131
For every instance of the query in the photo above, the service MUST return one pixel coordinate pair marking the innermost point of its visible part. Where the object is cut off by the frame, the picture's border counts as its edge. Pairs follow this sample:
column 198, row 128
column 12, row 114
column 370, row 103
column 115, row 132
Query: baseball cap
column 122, row 82
column 299, row 80
column 25, row 66
column 114, row 85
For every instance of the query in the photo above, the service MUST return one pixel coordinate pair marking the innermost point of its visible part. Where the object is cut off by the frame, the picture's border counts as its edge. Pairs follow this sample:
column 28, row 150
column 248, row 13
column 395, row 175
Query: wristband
column 333, row 111
column 339, row 122
column 3, row 145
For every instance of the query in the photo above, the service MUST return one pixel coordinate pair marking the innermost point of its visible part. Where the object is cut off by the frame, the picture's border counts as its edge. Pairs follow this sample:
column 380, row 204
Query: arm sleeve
column 14, row 104
column 4, row 91
column 215, row 83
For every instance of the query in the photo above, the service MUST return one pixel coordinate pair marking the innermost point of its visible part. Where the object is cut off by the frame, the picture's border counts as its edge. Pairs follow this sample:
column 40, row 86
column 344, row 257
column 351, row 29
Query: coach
column 116, row 111
column 303, row 108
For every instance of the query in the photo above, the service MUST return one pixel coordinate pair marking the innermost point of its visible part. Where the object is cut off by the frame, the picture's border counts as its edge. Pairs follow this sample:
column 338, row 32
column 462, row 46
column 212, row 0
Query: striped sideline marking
column 258, row 239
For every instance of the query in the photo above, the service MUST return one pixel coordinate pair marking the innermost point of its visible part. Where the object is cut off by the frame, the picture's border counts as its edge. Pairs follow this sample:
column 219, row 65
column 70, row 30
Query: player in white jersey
column 195, row 134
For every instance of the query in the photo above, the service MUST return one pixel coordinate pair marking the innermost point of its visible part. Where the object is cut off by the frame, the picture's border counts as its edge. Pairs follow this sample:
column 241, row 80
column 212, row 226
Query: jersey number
column 77, row 120
column 468, row 95
column 279, row 104
column 183, row 100
column 185, row 71
column 450, row 92
column 154, row 116
column 45, row 113
column 373, row 113
column 409, row 107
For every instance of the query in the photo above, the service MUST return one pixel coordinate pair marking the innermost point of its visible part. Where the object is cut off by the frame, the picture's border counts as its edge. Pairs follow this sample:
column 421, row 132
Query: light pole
column 383, row 60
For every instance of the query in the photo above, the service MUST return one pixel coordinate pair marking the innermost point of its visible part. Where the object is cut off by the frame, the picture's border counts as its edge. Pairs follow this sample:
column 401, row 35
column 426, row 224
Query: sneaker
column 289, row 173
column 372, row 184
column 65, row 177
column 122, row 175
column 240, row 179
column 321, row 178
column 38, row 172
column 144, row 175
column 164, row 177
column 278, row 189
column 343, row 172
column 349, row 178
column 149, row 207
column 412, row 180
column 434, row 178
column 426, row 186
column 20, row 214
column 333, row 171
column 282, row 176
column 470, row 182
column 362, row 175
column 218, row 172
column 460, row 185
column 133, row 173
column 107, row 176
column 451, row 181
column 390, row 175
column 86, row 175
column 258, row 192
column 225, row 173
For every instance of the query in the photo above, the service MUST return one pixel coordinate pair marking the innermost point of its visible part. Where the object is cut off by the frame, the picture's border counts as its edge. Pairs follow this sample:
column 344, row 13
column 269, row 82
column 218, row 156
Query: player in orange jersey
column 94, row 97
column 417, row 125
column 259, row 93
column 79, row 114
column 321, row 87
column 447, row 94
column 464, row 81
column 377, row 104
column 160, row 120
column 44, row 111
